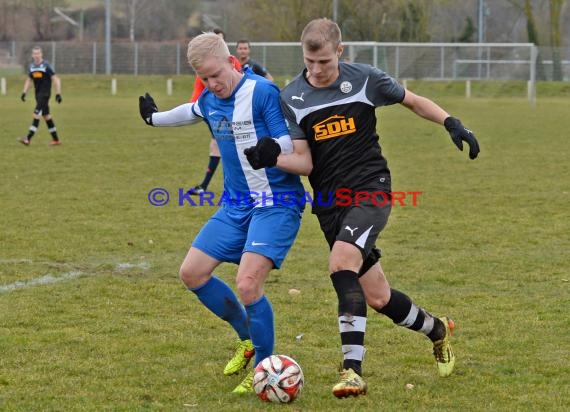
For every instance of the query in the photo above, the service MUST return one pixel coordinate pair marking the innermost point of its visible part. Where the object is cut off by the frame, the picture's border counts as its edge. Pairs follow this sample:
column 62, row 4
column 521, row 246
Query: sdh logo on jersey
column 334, row 126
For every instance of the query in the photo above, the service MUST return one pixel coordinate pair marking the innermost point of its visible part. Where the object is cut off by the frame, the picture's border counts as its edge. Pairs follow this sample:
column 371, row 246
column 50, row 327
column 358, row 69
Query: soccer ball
column 278, row 378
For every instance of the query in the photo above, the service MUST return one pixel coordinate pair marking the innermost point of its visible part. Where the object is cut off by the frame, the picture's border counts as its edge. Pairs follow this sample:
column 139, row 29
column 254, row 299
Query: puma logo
column 350, row 230
column 298, row 97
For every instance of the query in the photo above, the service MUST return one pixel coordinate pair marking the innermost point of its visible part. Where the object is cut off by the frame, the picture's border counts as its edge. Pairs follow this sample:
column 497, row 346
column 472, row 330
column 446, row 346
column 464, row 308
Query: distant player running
column 41, row 74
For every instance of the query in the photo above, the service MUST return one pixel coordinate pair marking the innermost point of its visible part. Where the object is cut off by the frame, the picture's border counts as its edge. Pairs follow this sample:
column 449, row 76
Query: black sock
column 351, row 318
column 52, row 129
column 33, row 128
column 404, row 312
column 212, row 166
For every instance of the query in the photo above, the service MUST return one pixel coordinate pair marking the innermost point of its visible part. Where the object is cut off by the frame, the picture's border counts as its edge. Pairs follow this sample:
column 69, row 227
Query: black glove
column 263, row 154
column 459, row 134
column 147, row 107
column 23, row 96
column 58, row 98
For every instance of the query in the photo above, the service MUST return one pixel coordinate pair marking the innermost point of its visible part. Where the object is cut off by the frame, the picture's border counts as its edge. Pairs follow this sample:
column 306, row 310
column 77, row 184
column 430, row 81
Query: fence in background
column 431, row 61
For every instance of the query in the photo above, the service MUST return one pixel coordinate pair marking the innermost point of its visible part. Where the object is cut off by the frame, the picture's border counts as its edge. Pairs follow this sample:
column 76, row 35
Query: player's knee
column 247, row 290
column 189, row 278
column 345, row 256
column 214, row 149
column 336, row 264
column 184, row 276
column 378, row 300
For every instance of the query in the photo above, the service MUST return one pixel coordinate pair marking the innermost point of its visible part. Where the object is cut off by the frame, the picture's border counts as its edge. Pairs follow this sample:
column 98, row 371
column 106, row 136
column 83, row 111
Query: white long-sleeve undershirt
column 184, row 114
column 179, row 116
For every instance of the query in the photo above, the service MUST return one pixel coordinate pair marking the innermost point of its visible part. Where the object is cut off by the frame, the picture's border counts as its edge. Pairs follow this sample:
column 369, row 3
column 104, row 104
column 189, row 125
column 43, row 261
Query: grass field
column 93, row 316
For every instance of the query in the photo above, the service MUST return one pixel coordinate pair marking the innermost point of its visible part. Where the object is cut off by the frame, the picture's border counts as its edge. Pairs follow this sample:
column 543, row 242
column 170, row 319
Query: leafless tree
column 386, row 20
column 157, row 20
column 134, row 11
column 556, row 37
column 41, row 12
column 279, row 20
column 8, row 10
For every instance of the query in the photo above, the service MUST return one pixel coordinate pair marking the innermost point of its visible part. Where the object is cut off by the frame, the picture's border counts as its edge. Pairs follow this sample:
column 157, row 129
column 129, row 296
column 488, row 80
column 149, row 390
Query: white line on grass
column 3, row 261
column 44, row 280
column 49, row 279
column 127, row 265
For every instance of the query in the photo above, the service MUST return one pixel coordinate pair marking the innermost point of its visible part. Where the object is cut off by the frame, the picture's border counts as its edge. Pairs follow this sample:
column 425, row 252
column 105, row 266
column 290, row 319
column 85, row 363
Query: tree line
column 537, row 21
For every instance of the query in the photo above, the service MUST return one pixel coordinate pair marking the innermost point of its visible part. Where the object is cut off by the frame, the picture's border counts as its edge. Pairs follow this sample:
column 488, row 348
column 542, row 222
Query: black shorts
column 42, row 106
column 359, row 225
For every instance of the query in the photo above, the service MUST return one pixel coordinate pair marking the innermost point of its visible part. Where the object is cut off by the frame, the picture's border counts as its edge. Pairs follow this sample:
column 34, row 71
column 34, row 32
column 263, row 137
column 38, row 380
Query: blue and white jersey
column 238, row 122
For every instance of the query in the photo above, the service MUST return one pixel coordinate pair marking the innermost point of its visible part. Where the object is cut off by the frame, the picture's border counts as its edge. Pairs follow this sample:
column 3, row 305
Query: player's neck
column 236, row 79
column 321, row 82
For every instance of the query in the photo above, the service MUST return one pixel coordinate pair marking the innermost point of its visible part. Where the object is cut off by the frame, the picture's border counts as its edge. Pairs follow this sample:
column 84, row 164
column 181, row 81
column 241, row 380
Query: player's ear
column 339, row 50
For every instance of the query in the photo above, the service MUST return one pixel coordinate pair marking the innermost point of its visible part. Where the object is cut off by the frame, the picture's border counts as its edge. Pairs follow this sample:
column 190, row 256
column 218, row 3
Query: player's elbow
column 306, row 163
column 306, row 169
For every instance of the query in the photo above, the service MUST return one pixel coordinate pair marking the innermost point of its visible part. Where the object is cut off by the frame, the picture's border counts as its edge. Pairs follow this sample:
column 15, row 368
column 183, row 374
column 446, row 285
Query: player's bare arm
column 57, row 83
column 299, row 162
column 429, row 110
column 27, row 85
column 424, row 107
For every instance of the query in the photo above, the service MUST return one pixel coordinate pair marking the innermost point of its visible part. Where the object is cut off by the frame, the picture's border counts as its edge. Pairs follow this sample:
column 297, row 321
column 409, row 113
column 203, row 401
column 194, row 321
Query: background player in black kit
column 41, row 74
column 331, row 105
column 243, row 49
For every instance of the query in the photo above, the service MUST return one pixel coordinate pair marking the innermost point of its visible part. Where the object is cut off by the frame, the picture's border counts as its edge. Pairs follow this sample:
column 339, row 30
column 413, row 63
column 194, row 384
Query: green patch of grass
column 488, row 88
column 487, row 244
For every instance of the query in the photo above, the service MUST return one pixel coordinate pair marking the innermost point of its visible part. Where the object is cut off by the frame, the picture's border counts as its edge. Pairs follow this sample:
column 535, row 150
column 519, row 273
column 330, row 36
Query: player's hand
column 23, row 96
column 147, row 107
column 58, row 98
column 263, row 154
column 460, row 134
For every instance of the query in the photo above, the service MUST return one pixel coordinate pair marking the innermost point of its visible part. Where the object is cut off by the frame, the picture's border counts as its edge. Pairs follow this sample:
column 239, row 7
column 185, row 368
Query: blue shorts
column 268, row 231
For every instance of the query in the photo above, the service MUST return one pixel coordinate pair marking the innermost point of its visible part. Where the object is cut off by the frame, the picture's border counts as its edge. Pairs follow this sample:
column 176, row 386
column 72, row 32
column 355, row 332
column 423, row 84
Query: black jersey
column 255, row 67
column 41, row 74
column 339, row 123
